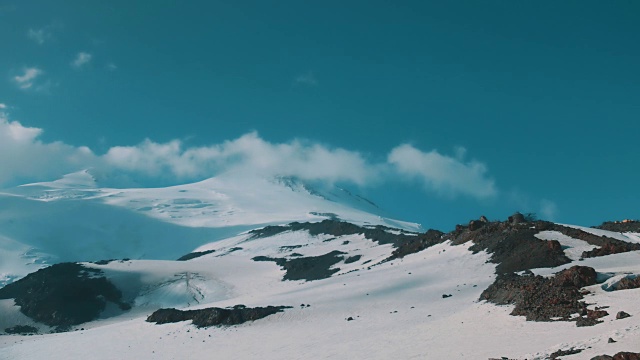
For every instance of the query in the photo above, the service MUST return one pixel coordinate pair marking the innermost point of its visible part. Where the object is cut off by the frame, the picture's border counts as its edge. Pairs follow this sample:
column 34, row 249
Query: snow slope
column 400, row 309
column 397, row 306
column 74, row 219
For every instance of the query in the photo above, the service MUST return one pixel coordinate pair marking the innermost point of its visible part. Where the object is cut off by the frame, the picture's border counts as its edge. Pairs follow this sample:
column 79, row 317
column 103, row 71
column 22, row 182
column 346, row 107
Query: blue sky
column 438, row 111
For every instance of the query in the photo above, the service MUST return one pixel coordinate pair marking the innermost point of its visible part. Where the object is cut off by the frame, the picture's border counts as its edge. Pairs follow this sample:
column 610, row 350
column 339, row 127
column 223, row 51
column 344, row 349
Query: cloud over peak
column 24, row 156
column 249, row 152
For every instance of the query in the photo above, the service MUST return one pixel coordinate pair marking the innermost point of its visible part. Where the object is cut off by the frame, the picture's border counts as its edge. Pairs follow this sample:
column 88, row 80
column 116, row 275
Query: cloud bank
column 23, row 156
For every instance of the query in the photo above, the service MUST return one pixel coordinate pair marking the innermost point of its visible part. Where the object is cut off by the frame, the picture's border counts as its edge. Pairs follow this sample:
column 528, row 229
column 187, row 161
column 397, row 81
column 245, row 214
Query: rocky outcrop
column 63, row 295
column 307, row 268
column 559, row 353
column 627, row 283
column 214, row 316
column 606, row 245
column 619, row 356
column 513, row 244
column 195, row 254
column 545, row 299
column 414, row 244
column 380, row 234
column 620, row 226
column 21, row 329
column 610, row 247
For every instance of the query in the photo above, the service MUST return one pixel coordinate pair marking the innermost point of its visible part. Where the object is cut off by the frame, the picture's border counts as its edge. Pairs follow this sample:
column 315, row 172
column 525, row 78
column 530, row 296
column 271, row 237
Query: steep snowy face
column 76, row 219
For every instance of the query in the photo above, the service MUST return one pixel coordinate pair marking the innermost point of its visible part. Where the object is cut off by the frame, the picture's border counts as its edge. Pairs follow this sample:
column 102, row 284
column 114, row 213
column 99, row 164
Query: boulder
column 622, row 315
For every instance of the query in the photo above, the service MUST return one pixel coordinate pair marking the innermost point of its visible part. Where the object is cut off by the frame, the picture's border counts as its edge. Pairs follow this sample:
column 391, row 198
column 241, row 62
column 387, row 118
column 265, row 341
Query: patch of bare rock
column 619, row 356
column 547, row 299
column 214, row 316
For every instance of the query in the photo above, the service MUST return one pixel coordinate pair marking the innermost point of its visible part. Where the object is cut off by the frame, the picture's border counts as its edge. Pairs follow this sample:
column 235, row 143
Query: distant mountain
column 75, row 218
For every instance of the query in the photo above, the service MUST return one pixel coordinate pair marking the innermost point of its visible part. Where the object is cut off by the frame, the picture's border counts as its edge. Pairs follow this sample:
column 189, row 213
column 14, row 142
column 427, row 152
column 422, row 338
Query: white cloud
column 112, row 67
column 3, row 106
column 39, row 36
column 249, row 152
column 443, row 174
column 82, row 59
column 548, row 209
column 308, row 79
column 24, row 157
column 27, row 79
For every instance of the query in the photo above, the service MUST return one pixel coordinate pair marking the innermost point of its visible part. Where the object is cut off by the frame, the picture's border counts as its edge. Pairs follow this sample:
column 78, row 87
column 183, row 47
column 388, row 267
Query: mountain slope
column 73, row 219
column 346, row 285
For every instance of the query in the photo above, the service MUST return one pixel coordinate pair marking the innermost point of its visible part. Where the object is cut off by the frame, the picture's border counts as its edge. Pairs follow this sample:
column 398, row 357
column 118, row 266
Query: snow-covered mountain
column 277, row 268
column 75, row 219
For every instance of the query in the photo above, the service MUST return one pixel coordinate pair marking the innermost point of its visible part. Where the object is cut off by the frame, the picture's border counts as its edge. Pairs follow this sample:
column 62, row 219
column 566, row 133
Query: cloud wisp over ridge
column 176, row 162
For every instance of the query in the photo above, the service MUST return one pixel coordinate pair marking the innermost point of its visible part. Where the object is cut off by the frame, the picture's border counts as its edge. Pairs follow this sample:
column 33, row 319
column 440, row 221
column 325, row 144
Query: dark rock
column 622, row 315
column 606, row 245
column 21, row 329
column 307, row 268
column 611, row 341
column 352, row 259
column 610, row 247
column 195, row 254
column 626, row 356
column 576, row 276
column 513, row 246
column 475, row 225
column 517, row 218
column 214, row 316
column 542, row 299
column 557, row 354
column 63, row 295
column 444, row 296
column 630, row 282
column 413, row 244
column 619, row 356
column 350, row 318
column 620, row 226
column 380, row 234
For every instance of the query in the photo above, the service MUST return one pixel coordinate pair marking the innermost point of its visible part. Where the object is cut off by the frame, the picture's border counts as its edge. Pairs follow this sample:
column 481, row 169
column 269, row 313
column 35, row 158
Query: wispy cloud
column 548, row 209
column 307, row 79
column 27, row 79
column 173, row 162
column 441, row 173
column 3, row 106
column 81, row 60
column 112, row 67
column 39, row 36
